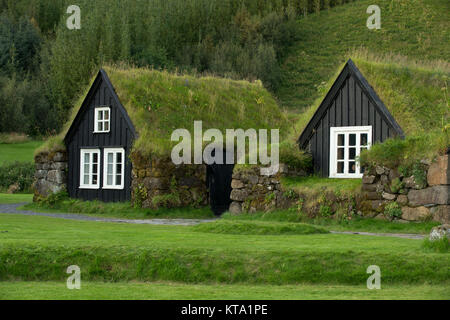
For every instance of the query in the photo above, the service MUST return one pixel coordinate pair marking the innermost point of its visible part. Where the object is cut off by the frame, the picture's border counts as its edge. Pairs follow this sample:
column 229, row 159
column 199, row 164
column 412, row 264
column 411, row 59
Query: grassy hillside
column 417, row 29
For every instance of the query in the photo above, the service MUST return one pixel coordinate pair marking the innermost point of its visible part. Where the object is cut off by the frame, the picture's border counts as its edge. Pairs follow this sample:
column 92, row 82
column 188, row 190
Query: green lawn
column 177, row 291
column 41, row 248
column 22, row 152
column 15, row 198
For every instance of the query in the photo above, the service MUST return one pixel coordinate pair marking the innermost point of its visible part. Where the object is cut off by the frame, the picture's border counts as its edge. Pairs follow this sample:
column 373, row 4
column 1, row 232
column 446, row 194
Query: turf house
column 117, row 145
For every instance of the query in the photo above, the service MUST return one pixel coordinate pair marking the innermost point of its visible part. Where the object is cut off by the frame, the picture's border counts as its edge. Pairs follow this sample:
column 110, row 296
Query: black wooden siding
column 349, row 103
column 82, row 136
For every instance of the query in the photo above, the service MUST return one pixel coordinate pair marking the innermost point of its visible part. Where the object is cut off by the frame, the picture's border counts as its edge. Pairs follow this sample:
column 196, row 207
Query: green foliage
column 53, row 199
column 407, row 153
column 325, row 211
column 397, row 185
column 140, row 194
column 20, row 173
column 392, row 210
column 169, row 200
column 314, row 183
column 257, row 227
column 442, row 245
column 328, row 38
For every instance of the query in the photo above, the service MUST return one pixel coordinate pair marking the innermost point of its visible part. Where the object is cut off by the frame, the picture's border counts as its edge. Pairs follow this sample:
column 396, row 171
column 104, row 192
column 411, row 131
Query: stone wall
column 157, row 182
column 51, row 173
column 253, row 192
column 425, row 195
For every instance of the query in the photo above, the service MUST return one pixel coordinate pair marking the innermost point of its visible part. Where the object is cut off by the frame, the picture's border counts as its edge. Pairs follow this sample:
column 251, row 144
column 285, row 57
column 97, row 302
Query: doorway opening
column 218, row 180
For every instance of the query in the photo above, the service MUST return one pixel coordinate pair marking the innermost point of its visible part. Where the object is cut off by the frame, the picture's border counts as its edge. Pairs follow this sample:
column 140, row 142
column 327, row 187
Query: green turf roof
column 159, row 102
column 415, row 95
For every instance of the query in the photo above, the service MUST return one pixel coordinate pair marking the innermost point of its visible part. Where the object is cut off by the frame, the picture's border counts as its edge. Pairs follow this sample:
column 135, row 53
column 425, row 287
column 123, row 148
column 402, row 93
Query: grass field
column 178, row 291
column 22, row 152
column 15, row 198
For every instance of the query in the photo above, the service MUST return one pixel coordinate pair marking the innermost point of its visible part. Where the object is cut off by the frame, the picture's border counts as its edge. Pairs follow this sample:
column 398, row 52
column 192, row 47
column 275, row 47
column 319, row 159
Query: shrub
column 21, row 173
column 392, row 210
column 325, row 211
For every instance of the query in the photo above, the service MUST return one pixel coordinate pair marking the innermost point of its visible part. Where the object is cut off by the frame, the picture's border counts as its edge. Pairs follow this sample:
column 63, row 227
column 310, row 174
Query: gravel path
column 12, row 208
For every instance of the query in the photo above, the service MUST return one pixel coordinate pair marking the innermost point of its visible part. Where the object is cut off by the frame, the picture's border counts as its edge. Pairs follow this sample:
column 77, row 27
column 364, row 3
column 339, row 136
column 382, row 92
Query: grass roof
column 159, row 102
column 415, row 94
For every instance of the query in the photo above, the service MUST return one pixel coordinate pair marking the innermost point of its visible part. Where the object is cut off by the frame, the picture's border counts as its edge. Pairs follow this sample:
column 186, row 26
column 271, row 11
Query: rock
column 283, row 168
column 239, row 195
column 56, row 176
column 378, row 205
column 187, row 181
column 379, row 170
column 59, row 166
column 237, row 184
column 441, row 213
column 13, row 188
column 394, row 174
column 253, row 179
column 439, row 171
column 59, row 157
column 439, row 232
column 388, row 196
column 369, row 187
column 373, row 196
column 432, row 195
column 156, row 183
column 402, row 199
column 235, row 207
column 45, row 188
column 39, row 174
column 384, row 179
column 415, row 214
column 368, row 179
column 380, row 217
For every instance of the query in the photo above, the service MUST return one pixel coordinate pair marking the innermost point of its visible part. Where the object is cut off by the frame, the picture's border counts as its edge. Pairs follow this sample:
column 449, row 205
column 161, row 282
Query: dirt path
column 12, row 209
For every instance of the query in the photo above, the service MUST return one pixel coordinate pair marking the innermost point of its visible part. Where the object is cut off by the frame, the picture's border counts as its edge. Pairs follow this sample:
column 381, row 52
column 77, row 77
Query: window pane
column 118, row 180
column 352, row 139
column 352, row 167
column 86, row 168
column 118, row 157
column 110, row 169
column 118, row 168
column 95, row 158
column 86, row 179
column 106, row 126
column 100, row 115
column 100, row 126
column 341, row 139
column 86, row 158
column 340, row 154
column 364, row 139
column 109, row 180
column 106, row 115
column 362, row 169
column 110, row 157
column 340, row 167
column 94, row 179
column 352, row 153
column 94, row 168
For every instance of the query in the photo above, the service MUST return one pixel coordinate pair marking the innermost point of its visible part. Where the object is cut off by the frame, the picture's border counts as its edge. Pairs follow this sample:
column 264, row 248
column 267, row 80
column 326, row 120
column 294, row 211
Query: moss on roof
column 159, row 102
column 415, row 94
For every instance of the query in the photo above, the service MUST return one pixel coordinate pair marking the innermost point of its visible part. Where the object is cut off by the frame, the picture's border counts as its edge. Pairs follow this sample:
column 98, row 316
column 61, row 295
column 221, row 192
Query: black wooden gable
column 102, row 80
column 351, row 101
column 81, row 135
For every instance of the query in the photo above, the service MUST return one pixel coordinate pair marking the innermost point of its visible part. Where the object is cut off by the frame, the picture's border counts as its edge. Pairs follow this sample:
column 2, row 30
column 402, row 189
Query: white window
column 113, row 168
column 102, row 119
column 346, row 143
column 89, row 169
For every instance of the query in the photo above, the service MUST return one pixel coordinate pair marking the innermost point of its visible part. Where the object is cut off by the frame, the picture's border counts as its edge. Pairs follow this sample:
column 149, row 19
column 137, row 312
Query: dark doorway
column 218, row 180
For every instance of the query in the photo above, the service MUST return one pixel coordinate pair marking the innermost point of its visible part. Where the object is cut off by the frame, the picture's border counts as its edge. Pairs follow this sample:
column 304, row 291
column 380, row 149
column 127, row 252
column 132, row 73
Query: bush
column 392, row 210
column 21, row 173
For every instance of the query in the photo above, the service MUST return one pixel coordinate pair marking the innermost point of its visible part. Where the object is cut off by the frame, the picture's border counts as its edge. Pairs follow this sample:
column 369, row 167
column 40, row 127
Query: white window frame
column 105, row 168
column 90, row 185
column 103, row 121
column 358, row 130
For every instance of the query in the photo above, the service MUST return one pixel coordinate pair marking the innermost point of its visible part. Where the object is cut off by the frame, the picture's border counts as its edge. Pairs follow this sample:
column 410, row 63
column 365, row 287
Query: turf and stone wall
column 51, row 173
column 157, row 182
column 253, row 192
column 425, row 195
